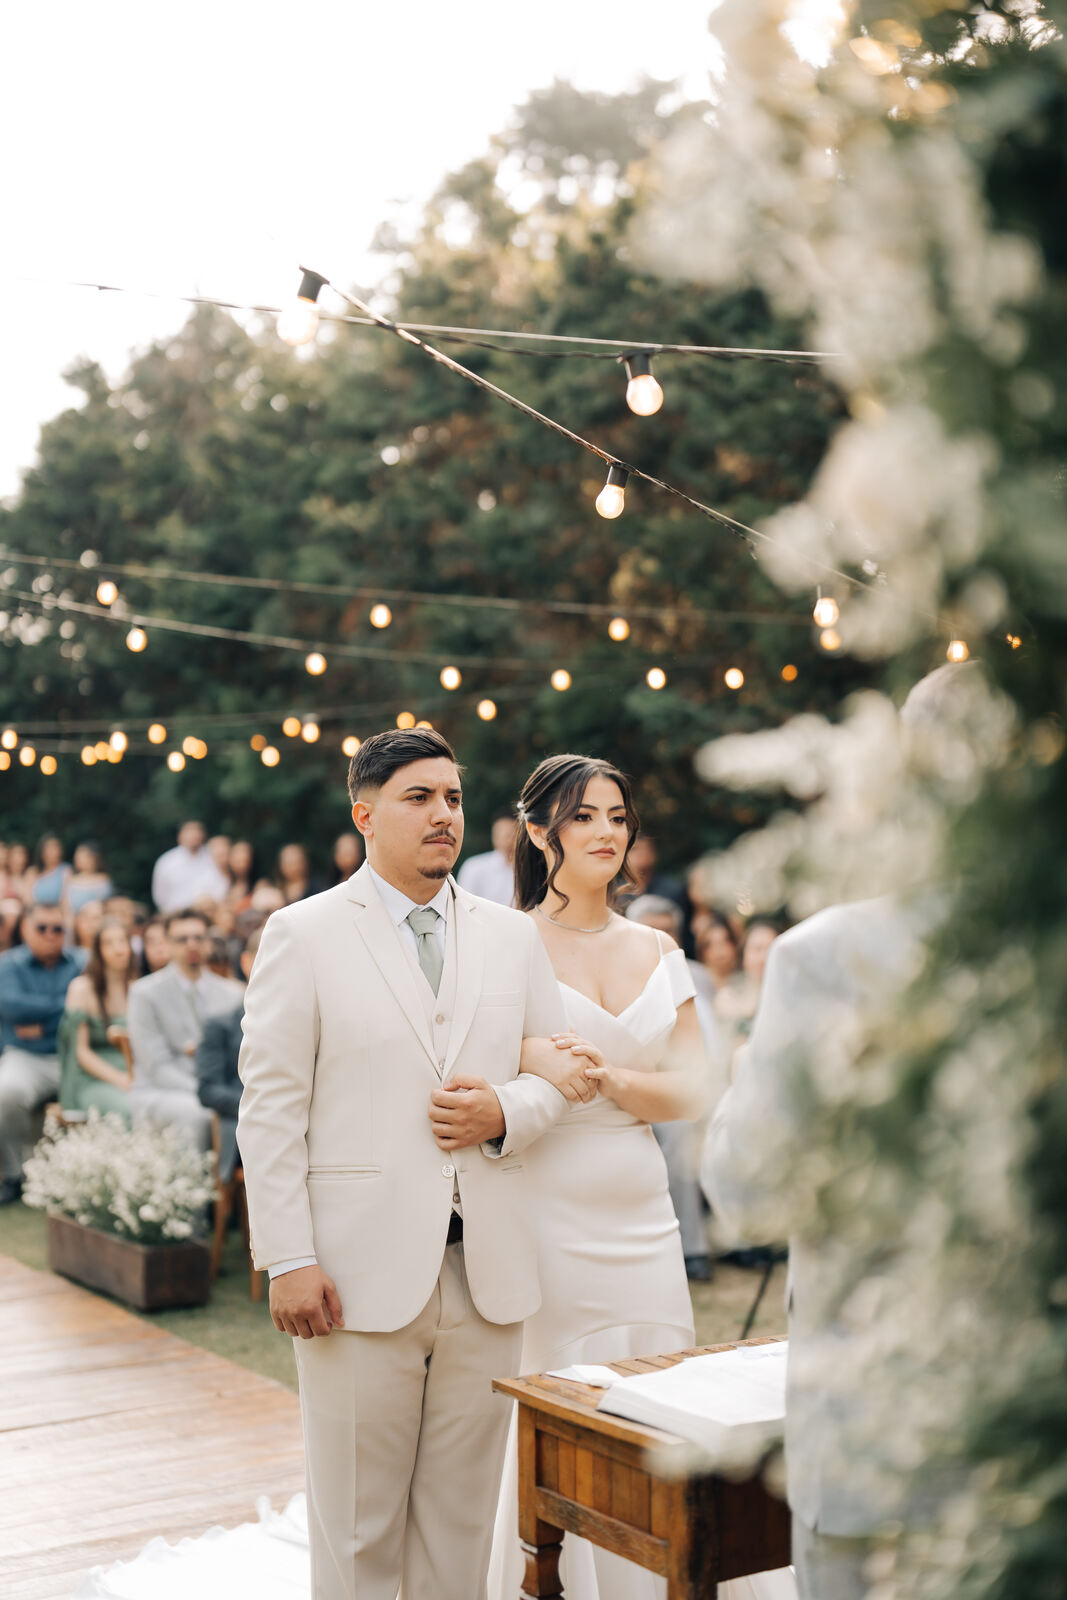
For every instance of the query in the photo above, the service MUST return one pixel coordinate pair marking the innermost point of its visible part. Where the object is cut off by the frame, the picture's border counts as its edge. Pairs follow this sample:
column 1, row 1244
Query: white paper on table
column 599, row 1377
column 731, row 1404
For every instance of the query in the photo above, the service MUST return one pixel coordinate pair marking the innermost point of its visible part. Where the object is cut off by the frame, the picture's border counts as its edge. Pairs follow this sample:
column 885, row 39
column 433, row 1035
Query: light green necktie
column 422, row 923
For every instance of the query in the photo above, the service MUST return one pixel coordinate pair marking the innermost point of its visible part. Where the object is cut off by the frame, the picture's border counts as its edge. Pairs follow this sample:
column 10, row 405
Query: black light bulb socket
column 310, row 285
column 618, row 477
column 639, row 365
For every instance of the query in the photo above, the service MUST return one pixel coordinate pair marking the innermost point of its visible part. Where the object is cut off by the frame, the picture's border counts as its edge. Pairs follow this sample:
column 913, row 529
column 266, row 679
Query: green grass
column 234, row 1326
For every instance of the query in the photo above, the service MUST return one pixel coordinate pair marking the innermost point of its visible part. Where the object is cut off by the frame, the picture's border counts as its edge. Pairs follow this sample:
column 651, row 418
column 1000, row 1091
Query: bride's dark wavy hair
column 551, row 797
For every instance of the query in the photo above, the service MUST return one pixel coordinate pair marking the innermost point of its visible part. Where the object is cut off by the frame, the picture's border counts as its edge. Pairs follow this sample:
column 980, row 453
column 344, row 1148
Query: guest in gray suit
column 165, row 1017
column 216, row 1067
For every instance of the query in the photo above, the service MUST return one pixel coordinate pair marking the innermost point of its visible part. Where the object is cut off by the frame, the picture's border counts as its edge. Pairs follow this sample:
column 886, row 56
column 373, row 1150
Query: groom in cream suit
column 382, row 1125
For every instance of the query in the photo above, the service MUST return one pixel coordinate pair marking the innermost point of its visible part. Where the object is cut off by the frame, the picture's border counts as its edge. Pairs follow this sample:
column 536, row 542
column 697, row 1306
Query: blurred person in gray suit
column 216, row 1067
column 829, row 983
column 166, row 1015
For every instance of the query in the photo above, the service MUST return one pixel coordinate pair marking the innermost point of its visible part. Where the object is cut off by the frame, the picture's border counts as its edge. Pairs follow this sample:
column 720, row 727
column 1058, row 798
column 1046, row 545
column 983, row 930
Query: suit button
column 448, row 1170
column 440, row 1017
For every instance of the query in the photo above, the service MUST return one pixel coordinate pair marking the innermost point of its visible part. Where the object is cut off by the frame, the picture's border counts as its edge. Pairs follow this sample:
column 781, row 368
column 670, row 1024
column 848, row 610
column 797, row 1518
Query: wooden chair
column 229, row 1194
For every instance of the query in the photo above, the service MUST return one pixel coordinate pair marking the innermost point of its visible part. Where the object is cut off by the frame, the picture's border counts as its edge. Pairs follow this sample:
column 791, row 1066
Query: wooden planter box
column 148, row 1276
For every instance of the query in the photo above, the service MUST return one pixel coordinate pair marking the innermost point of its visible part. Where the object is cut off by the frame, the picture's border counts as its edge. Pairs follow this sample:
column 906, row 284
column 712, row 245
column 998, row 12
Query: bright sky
column 208, row 147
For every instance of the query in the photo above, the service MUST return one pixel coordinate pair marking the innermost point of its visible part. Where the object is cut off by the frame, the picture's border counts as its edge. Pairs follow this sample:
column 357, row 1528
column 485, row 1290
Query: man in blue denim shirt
column 33, row 992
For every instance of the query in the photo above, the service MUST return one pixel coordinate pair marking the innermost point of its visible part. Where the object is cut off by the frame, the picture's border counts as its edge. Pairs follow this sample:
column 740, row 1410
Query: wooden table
column 622, row 1485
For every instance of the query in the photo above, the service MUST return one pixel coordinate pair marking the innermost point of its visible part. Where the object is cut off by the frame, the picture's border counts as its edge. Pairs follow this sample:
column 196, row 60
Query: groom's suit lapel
column 470, row 936
column 383, row 945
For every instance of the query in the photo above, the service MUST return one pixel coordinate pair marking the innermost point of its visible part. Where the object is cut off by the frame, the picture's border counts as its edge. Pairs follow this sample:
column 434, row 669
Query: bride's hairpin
column 522, row 813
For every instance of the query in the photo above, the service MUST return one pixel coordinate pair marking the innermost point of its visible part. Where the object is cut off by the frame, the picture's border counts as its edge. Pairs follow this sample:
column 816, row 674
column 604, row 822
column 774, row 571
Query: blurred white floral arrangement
column 146, row 1184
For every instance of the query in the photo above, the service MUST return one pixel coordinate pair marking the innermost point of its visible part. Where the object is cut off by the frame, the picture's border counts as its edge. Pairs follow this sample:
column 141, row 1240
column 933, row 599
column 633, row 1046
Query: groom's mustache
column 430, row 837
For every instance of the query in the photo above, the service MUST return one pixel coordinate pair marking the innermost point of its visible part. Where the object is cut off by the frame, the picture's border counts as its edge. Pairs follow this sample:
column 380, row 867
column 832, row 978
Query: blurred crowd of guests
column 133, row 1007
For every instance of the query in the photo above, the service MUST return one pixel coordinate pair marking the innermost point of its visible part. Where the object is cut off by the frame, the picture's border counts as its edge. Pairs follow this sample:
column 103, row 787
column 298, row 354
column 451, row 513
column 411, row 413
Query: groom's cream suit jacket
column 338, row 1063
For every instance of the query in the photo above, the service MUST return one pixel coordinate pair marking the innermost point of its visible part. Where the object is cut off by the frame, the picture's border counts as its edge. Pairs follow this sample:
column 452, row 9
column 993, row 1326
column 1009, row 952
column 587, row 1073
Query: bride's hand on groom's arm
column 544, row 1058
column 305, row 1303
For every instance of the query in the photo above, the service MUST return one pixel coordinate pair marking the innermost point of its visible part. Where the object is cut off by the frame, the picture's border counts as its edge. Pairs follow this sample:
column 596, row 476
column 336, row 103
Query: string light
column 612, row 498
column 351, row 745
column 830, row 639
column 5, row 761
column 656, row 678
column 451, row 677
column 157, row 733
column 258, row 741
column 119, row 741
column 487, row 710
column 315, row 663
column 643, row 394
column 561, row 679
column 291, row 727
column 102, row 749
column 618, row 629
column 201, row 750
column 827, row 612
column 380, row 616
column 958, row 650
column 406, row 719
column 176, row 761
column 789, row 673
column 1013, row 640
column 9, row 739
column 189, row 744
column 136, row 640
column 113, row 755
column 107, row 592
column 424, row 724
column 270, row 755
column 88, row 756
column 299, row 323
column 27, row 755
column 310, row 732
column 48, row 765
column 733, row 677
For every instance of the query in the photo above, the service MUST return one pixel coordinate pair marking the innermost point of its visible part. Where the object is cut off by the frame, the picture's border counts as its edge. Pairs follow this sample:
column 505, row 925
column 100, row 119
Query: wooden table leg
column 693, row 1557
column 542, row 1565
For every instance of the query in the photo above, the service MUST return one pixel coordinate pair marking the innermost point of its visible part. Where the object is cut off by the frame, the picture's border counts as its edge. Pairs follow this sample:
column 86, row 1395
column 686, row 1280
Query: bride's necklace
column 569, row 926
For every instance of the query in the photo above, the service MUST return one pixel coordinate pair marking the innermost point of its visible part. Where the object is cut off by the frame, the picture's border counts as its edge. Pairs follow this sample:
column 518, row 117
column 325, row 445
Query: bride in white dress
column 612, row 1272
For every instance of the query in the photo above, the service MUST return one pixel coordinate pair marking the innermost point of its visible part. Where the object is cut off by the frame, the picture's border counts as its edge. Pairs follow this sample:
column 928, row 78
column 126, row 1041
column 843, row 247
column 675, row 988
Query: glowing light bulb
column 451, row 677
column 102, row 749
column 176, row 761
column 1014, row 640
column 299, row 323
column 9, row 739
column 830, row 639
column 48, row 765
column 380, row 616
column 315, row 663
column 136, row 640
column 270, row 755
column 119, row 741
column 309, row 732
column 291, row 727
column 189, row 744
column 88, row 756
column 827, row 611
column 351, row 745
column 201, row 750
column 5, row 760
column 258, row 741
column 656, row 678
column 612, row 497
column 424, row 724
column 406, row 719
column 114, row 756
column 643, row 394
column 107, row 592
column 487, row 710
column 733, row 677
column 157, row 733
column 789, row 673
column 560, row 679
column 27, row 755
column 958, row 650
column 618, row 629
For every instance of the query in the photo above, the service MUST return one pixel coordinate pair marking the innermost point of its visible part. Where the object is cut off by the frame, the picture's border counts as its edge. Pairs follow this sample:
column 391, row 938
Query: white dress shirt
column 399, row 908
column 182, row 876
column 490, row 876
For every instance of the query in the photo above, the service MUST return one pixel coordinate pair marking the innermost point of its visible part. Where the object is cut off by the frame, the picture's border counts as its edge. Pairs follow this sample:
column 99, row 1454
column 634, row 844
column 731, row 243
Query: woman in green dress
column 93, row 1070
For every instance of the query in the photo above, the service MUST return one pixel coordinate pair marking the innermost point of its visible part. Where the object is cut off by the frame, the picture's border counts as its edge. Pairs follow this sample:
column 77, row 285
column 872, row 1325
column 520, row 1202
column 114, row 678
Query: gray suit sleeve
column 155, row 1064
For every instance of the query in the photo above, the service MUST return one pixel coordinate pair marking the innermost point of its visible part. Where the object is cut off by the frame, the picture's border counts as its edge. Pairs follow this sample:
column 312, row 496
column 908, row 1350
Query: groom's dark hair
column 385, row 753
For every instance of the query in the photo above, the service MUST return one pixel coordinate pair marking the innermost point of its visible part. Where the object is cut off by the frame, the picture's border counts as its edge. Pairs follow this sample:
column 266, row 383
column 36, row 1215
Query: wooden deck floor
column 112, row 1431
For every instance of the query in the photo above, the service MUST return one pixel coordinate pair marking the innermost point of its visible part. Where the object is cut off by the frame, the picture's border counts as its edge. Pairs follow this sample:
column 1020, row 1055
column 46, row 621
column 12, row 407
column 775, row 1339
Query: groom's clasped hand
column 465, row 1111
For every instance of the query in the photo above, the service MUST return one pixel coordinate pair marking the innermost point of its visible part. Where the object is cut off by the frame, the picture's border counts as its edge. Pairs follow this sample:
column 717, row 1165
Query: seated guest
column 15, row 884
column 155, row 946
column 11, row 911
column 34, row 979
column 87, row 921
column 293, row 875
column 218, row 957
column 188, row 872
column 218, row 848
column 48, row 876
column 347, row 857
column 166, row 1016
column 216, row 1066
column 266, row 897
column 718, row 953
column 93, row 1071
column 88, row 881
column 492, row 876
column 737, row 999
column 242, row 872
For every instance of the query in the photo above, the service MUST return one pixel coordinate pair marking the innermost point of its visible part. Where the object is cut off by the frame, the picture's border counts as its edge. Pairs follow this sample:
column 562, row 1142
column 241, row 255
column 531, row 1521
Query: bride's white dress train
column 612, row 1271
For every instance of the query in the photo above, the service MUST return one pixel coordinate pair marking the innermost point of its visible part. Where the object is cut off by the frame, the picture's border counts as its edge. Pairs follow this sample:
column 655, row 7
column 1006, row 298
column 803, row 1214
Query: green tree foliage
column 369, row 466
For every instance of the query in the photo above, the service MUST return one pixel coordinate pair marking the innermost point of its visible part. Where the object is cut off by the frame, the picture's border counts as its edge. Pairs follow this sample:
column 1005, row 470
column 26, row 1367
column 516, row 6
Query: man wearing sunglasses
column 33, row 992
